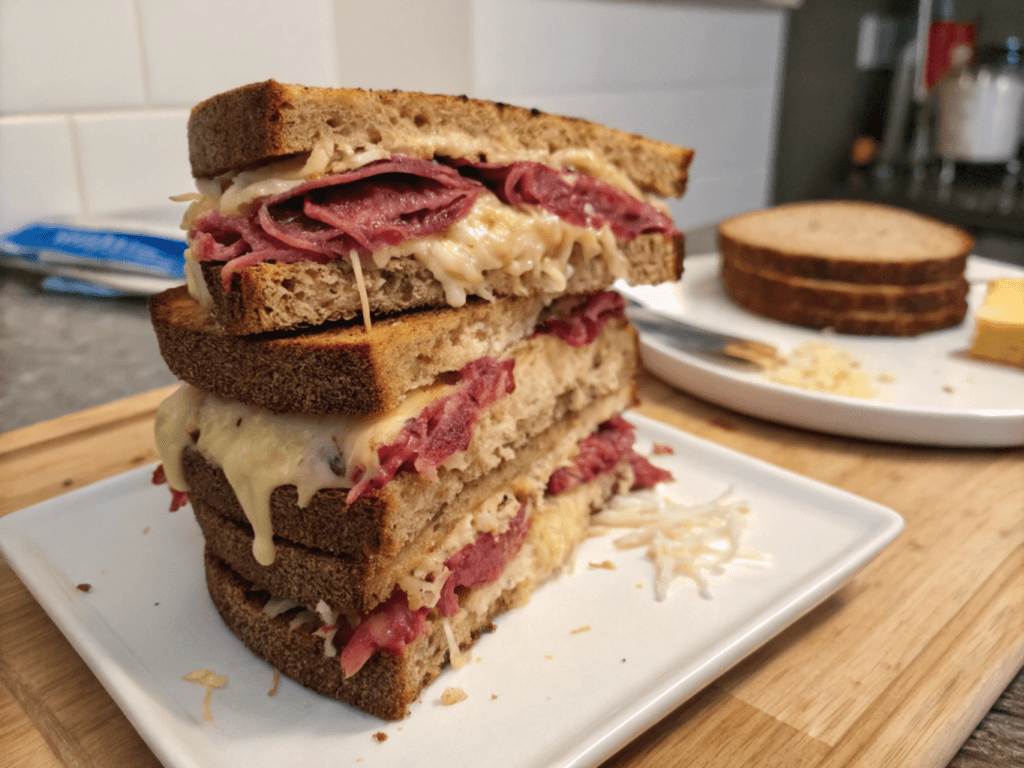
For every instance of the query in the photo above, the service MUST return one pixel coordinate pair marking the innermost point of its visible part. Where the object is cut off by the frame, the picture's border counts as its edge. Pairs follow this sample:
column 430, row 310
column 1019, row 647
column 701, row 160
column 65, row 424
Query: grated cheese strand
column 691, row 541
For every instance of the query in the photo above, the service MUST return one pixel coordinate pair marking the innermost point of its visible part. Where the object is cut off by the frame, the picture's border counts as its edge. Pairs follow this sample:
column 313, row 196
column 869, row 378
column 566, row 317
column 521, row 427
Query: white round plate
column 929, row 391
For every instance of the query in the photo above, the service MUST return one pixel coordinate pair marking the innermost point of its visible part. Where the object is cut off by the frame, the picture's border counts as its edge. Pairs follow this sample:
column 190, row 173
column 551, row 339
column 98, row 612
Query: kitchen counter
column 60, row 354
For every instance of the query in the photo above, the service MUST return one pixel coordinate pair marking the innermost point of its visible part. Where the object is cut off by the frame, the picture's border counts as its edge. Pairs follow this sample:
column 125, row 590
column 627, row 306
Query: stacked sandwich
column 856, row 268
column 404, row 369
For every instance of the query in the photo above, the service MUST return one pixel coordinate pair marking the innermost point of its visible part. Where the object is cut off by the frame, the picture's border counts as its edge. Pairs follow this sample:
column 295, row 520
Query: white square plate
column 538, row 693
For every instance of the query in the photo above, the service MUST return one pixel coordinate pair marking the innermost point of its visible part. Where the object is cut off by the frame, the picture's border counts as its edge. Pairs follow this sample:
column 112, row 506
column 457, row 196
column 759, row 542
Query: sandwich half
column 402, row 380
column 321, row 204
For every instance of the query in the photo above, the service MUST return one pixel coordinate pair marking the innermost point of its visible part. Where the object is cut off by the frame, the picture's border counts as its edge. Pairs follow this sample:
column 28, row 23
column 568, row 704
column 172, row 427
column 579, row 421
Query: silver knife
column 692, row 338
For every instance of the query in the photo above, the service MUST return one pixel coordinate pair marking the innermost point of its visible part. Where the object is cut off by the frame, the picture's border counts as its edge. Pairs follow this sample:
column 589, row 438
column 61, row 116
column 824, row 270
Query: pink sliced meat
column 600, row 453
column 178, row 498
column 578, row 320
column 393, row 625
column 387, row 202
column 482, row 561
column 574, row 197
column 442, row 428
column 382, row 203
column 390, row 627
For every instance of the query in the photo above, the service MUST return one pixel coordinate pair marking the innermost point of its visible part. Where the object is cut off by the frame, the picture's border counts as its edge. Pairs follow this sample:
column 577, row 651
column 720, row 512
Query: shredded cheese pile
column 694, row 541
column 817, row 366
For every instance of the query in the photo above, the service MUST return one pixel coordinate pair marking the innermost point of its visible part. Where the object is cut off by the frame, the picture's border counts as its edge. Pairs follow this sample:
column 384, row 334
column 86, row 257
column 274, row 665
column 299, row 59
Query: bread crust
column 268, row 120
column 854, row 322
column 832, row 296
column 790, row 240
column 340, row 368
column 384, row 687
column 271, row 296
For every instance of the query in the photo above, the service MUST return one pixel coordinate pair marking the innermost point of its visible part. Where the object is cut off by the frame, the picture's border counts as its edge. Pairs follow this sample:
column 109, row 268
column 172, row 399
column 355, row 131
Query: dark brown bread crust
column 837, row 297
column 271, row 296
column 335, row 369
column 384, row 687
column 867, row 268
column 860, row 323
column 268, row 120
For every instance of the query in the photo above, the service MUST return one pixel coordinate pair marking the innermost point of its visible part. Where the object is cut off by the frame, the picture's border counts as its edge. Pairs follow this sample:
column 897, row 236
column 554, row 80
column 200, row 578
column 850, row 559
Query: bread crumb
column 277, row 682
column 145, row 530
column 947, row 388
column 494, row 696
column 580, row 630
column 607, row 565
column 380, row 736
column 639, row 586
column 453, row 696
column 209, row 680
column 549, row 656
column 83, row 587
column 886, row 378
column 660, row 449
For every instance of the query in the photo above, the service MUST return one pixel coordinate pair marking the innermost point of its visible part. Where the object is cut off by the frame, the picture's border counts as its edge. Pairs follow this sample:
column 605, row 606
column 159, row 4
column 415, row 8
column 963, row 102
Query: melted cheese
column 259, row 450
column 515, row 242
column 493, row 236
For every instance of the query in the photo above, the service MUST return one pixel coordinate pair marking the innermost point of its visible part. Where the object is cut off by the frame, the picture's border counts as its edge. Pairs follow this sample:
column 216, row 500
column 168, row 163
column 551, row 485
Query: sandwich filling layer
column 445, row 426
column 460, row 219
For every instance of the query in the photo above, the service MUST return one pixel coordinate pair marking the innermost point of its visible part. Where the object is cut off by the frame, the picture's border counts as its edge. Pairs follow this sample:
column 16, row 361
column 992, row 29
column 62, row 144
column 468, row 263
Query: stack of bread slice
column 853, row 267
column 404, row 369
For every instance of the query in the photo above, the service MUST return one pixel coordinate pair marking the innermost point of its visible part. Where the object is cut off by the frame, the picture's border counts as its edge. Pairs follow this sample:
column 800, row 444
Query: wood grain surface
column 896, row 669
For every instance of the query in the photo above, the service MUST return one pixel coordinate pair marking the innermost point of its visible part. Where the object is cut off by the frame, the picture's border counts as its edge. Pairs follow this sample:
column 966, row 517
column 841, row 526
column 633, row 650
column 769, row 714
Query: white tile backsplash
column 710, row 199
column 37, row 170
column 728, row 128
column 133, row 161
column 94, row 96
column 572, row 46
column 61, row 55
column 426, row 46
column 198, row 48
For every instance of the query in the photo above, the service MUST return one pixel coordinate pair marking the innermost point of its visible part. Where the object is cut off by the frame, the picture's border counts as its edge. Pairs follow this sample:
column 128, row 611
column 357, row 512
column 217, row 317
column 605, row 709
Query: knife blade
column 692, row 338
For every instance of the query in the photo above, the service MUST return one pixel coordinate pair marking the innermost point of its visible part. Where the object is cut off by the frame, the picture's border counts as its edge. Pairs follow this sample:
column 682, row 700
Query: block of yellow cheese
column 999, row 328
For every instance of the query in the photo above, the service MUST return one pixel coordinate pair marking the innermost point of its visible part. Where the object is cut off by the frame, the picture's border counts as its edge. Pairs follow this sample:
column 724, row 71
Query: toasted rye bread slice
column 376, row 529
column 269, row 120
column 855, row 322
column 387, row 684
column 340, row 368
column 851, row 242
column 272, row 296
column 838, row 297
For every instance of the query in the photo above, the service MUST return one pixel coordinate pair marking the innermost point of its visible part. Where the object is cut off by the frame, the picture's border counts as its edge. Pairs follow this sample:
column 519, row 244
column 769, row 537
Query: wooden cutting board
column 894, row 670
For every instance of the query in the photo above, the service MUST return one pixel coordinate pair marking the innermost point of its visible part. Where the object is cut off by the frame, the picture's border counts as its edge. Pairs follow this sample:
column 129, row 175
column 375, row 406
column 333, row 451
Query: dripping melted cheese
column 259, row 450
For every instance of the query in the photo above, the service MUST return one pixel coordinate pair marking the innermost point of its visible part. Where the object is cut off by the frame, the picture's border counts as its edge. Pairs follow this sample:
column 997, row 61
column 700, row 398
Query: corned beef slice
column 382, row 203
column 389, row 201
column 578, row 321
column 443, row 427
column 599, row 454
column 574, row 197
column 482, row 561
column 393, row 625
